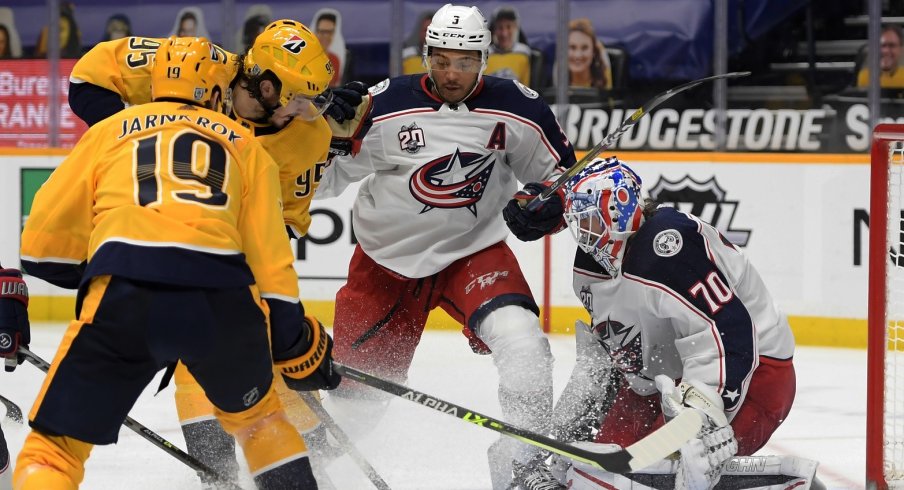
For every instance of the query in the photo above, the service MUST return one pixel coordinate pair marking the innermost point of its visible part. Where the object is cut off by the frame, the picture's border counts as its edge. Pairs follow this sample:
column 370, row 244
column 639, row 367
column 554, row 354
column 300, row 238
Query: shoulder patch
column 379, row 88
column 527, row 91
column 667, row 243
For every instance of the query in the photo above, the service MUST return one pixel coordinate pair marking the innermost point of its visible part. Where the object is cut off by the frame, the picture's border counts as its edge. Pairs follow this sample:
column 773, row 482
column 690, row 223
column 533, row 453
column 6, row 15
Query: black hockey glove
column 308, row 365
column 346, row 99
column 529, row 225
column 14, row 327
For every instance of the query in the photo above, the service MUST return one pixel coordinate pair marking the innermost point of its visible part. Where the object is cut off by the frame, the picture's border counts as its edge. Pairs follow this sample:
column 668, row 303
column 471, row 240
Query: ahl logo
column 705, row 200
column 295, row 44
column 411, row 138
column 452, row 181
column 623, row 343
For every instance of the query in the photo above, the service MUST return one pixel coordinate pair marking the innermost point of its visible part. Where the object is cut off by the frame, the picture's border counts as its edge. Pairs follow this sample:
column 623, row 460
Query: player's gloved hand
column 308, row 365
column 14, row 327
column 347, row 126
column 346, row 99
column 690, row 394
column 530, row 223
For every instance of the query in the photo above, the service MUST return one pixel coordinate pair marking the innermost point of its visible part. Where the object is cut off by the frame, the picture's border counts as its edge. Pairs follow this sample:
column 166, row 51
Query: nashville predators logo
column 295, row 44
column 452, row 181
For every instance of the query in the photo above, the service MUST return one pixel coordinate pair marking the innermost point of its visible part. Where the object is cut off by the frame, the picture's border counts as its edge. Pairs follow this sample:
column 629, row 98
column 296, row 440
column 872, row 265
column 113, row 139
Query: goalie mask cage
column 885, row 359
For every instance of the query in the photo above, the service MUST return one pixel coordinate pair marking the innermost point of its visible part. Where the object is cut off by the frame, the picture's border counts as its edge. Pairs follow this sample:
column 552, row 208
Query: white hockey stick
column 656, row 446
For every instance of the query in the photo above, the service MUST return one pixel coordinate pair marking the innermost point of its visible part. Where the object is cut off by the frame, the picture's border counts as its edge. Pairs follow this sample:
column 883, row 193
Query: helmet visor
column 441, row 62
column 310, row 108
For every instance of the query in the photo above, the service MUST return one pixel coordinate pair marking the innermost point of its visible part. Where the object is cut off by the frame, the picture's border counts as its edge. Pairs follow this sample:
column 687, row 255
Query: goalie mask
column 603, row 208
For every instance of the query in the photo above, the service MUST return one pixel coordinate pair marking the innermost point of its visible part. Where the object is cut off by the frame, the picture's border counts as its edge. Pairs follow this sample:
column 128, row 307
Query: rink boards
column 803, row 220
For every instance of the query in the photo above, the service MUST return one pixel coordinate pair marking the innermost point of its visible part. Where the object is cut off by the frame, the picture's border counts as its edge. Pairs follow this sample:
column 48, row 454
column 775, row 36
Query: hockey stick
column 343, row 439
column 627, row 124
column 656, row 446
column 13, row 412
column 148, row 434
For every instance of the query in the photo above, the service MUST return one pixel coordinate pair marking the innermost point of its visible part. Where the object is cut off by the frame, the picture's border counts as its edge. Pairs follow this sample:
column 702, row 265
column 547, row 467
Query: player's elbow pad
column 308, row 365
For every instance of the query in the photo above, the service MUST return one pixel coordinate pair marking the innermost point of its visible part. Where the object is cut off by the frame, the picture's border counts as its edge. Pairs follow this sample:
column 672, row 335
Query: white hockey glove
column 701, row 459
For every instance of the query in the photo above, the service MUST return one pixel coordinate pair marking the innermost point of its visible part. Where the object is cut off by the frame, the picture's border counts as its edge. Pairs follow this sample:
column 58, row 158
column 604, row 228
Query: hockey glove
column 308, row 365
column 347, row 131
column 532, row 224
column 691, row 394
column 14, row 327
column 346, row 99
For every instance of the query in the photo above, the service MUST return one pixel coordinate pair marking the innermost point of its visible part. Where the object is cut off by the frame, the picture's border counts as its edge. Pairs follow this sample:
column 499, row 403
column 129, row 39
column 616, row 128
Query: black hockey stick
column 656, row 446
column 13, row 412
column 343, row 439
column 627, row 124
column 148, row 434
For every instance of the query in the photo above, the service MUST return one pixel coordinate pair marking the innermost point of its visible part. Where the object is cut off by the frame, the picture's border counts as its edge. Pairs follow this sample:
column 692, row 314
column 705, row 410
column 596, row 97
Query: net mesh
column 894, row 290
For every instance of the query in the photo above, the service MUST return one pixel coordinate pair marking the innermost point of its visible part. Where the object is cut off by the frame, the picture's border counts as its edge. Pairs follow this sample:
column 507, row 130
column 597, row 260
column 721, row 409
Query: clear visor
column 309, row 108
column 439, row 62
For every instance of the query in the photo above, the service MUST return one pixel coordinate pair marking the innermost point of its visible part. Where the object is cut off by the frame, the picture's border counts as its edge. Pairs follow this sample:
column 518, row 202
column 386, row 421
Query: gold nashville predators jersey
column 124, row 66
column 164, row 192
column 300, row 149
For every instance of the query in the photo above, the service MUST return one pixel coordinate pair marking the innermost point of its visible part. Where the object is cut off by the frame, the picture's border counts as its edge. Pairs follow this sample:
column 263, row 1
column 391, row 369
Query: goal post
column 885, row 358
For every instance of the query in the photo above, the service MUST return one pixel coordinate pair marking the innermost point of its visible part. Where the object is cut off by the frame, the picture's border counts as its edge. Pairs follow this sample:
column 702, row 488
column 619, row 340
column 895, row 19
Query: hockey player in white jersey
column 670, row 299
column 440, row 155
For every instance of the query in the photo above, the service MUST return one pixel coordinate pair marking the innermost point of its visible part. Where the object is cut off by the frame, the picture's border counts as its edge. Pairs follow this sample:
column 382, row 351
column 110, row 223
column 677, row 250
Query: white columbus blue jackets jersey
column 687, row 304
column 436, row 176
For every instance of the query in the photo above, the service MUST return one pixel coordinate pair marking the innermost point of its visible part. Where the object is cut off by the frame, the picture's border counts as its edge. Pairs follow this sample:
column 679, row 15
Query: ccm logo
column 453, row 34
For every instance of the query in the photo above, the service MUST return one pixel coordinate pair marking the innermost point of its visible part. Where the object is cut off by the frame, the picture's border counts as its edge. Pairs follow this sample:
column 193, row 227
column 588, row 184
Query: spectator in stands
column 13, row 42
column 588, row 65
column 5, row 50
column 892, row 75
column 70, row 37
column 118, row 26
column 509, row 58
column 257, row 17
column 327, row 24
column 190, row 23
column 413, row 49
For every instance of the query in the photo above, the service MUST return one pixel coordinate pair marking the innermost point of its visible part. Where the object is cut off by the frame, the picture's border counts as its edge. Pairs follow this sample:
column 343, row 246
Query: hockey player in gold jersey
column 177, row 256
column 262, row 92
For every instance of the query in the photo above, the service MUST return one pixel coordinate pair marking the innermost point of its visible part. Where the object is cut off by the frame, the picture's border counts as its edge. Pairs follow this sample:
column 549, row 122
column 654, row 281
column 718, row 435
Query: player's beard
column 460, row 95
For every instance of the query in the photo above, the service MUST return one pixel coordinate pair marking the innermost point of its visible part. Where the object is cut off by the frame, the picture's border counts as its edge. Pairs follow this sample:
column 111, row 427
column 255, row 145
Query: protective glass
column 440, row 62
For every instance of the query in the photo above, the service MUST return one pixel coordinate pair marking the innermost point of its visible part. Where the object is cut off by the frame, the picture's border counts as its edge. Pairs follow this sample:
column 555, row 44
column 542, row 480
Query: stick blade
column 13, row 412
column 665, row 440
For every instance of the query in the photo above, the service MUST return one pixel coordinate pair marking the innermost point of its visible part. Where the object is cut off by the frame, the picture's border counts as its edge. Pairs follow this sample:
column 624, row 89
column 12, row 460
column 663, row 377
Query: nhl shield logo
column 251, row 397
column 705, row 200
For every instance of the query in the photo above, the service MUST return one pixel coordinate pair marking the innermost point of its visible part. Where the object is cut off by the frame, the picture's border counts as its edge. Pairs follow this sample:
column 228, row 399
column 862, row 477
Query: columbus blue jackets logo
column 705, row 200
column 452, row 181
column 623, row 343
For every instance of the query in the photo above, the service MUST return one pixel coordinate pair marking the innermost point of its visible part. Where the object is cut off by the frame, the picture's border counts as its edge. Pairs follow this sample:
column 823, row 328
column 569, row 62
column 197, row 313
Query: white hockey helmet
column 459, row 27
column 603, row 208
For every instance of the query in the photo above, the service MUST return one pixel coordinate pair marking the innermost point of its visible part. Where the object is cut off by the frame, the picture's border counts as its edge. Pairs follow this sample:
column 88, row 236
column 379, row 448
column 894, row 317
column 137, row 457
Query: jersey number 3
column 181, row 165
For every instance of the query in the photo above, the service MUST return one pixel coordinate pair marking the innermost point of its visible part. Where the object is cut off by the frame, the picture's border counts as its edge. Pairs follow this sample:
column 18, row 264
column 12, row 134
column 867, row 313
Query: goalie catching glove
column 14, row 327
column 308, row 365
column 702, row 458
column 529, row 223
column 351, row 106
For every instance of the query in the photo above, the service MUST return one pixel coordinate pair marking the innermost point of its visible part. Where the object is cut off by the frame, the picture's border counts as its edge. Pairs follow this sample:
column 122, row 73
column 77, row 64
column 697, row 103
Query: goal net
column 885, row 388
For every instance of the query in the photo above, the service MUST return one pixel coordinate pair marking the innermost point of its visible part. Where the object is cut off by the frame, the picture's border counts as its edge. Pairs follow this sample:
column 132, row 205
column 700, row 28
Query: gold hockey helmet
column 293, row 54
column 190, row 68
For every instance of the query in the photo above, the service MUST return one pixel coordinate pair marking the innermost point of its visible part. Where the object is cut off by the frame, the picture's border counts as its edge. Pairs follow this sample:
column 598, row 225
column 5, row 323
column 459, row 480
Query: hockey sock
column 209, row 443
